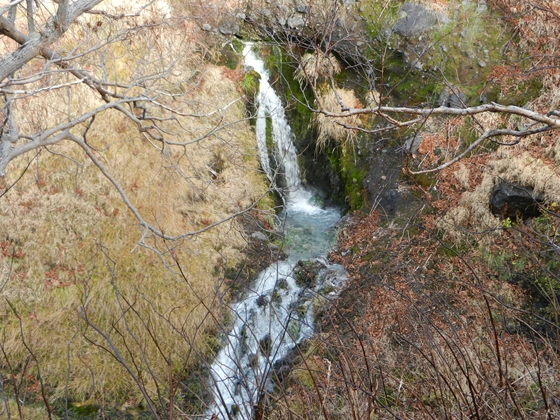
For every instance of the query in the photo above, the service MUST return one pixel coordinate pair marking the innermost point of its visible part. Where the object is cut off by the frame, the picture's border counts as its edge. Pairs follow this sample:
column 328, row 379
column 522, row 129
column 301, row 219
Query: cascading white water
column 270, row 106
column 275, row 315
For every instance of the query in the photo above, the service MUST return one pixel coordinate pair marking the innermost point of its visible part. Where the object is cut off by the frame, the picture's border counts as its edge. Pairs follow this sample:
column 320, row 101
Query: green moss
column 514, row 93
column 269, row 137
column 344, row 162
column 298, row 100
column 250, row 83
column 462, row 52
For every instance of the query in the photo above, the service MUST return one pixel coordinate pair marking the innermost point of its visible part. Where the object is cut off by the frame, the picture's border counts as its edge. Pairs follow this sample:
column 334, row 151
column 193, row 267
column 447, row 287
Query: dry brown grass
column 527, row 164
column 337, row 129
column 412, row 336
column 70, row 245
column 317, row 66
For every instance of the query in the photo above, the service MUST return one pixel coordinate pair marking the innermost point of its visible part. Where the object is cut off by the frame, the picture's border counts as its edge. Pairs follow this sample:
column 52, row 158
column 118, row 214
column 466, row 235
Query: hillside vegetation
column 97, row 310
column 121, row 245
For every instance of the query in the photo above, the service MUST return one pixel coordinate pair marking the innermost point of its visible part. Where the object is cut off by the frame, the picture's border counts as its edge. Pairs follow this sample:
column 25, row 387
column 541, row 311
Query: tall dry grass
column 337, row 129
column 91, row 304
column 317, row 66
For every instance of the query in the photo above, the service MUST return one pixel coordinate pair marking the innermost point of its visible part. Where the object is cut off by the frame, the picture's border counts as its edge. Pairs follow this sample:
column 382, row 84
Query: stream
column 277, row 312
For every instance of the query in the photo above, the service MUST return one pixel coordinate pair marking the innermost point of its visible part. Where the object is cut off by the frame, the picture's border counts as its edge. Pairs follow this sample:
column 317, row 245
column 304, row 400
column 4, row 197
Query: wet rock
column 262, row 301
column 514, row 201
column 265, row 345
column 318, row 201
column 414, row 20
column 282, row 367
column 253, row 360
column 333, row 277
column 411, row 145
column 306, row 272
column 282, row 284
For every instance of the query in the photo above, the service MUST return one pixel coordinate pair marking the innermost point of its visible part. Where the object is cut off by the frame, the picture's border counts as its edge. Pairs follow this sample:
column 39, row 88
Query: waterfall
column 270, row 106
column 277, row 312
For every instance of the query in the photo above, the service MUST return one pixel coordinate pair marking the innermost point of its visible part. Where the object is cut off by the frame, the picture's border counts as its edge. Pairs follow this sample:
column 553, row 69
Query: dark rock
column 265, row 344
column 253, row 360
column 282, row 284
column 229, row 28
column 411, row 145
column 452, row 99
column 515, row 202
column 306, row 272
column 415, row 20
column 381, row 180
column 262, row 300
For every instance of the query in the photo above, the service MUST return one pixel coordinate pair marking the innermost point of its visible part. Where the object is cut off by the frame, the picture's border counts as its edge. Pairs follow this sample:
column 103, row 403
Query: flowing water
column 277, row 312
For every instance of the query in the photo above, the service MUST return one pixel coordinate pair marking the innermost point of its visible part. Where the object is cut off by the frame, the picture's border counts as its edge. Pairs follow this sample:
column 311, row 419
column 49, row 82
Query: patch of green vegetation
column 461, row 52
column 426, row 181
column 387, row 398
column 195, row 391
column 379, row 15
column 250, row 83
column 298, row 100
column 84, row 410
column 269, row 137
column 513, row 92
column 466, row 50
column 237, row 45
column 346, row 163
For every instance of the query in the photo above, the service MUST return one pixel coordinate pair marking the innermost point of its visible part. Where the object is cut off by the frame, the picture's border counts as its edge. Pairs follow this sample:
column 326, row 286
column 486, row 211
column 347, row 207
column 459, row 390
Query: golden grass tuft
column 338, row 129
column 317, row 66
column 373, row 98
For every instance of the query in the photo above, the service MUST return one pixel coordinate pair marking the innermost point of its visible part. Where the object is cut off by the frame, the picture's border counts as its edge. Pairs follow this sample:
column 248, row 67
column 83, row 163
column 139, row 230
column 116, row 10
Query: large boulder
column 414, row 20
column 515, row 202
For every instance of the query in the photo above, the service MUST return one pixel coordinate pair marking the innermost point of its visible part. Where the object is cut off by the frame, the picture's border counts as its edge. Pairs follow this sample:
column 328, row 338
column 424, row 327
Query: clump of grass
column 373, row 98
column 317, row 66
column 339, row 129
